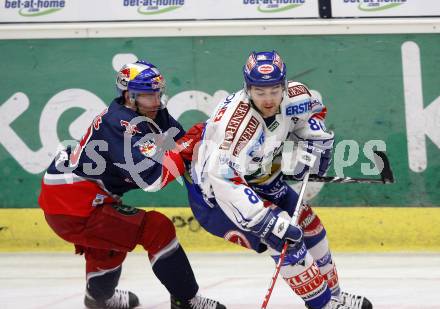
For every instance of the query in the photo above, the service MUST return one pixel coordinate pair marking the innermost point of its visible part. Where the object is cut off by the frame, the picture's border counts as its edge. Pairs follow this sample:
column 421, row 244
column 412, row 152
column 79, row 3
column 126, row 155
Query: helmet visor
column 148, row 101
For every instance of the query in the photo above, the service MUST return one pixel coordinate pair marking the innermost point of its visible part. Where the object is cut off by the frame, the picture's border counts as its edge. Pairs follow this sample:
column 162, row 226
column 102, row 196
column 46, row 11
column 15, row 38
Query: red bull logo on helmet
column 125, row 72
column 158, row 82
column 123, row 76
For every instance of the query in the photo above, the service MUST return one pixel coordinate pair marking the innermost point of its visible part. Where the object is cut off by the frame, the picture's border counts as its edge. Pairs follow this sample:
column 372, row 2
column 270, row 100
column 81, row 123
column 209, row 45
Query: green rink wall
column 377, row 87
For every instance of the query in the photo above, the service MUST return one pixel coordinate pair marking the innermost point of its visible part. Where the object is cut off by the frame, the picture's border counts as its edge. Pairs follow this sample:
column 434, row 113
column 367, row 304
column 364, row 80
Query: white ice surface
column 56, row 280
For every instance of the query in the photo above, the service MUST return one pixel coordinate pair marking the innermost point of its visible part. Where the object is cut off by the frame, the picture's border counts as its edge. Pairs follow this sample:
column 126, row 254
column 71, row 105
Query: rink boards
column 353, row 229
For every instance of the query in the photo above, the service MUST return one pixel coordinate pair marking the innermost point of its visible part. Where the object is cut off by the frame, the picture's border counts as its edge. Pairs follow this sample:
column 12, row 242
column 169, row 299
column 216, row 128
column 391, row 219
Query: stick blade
column 383, row 164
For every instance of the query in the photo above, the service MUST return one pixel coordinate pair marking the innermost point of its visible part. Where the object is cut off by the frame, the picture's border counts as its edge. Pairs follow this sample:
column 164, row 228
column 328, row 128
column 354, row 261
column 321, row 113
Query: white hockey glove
column 322, row 150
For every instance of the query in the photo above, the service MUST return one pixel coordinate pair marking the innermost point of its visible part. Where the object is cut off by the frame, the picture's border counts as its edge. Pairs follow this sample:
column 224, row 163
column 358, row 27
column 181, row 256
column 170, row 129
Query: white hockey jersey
column 239, row 149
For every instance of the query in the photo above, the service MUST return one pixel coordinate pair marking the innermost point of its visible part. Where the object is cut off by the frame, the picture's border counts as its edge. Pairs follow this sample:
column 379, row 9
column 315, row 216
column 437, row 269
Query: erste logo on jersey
column 233, row 125
column 148, row 148
column 298, row 108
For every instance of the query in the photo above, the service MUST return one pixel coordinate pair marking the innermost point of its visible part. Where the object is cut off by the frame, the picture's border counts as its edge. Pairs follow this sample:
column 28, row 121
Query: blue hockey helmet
column 139, row 77
column 264, row 69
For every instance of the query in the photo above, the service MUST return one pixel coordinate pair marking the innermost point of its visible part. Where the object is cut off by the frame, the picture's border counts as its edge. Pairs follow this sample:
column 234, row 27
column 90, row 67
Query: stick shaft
column 329, row 179
column 283, row 252
column 335, row 179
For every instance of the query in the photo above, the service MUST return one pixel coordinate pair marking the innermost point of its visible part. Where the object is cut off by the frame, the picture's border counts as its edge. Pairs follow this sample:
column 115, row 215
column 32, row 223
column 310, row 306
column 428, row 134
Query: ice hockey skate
column 334, row 303
column 120, row 300
column 197, row 302
column 355, row 301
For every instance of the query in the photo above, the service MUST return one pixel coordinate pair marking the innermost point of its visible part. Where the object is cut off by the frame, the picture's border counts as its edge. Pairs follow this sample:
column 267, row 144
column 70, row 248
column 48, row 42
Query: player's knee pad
column 307, row 282
column 331, row 276
column 158, row 234
column 98, row 260
column 312, row 226
column 323, row 258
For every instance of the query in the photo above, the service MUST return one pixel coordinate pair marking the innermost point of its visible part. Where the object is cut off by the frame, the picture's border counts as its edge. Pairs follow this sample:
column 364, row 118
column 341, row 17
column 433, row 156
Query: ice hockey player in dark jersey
column 133, row 144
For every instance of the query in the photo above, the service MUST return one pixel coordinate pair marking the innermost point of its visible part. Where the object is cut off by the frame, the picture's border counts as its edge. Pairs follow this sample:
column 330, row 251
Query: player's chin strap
column 309, row 160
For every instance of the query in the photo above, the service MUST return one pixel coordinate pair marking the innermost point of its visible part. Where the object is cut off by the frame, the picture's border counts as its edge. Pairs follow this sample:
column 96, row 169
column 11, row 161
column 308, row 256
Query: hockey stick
column 307, row 159
column 382, row 163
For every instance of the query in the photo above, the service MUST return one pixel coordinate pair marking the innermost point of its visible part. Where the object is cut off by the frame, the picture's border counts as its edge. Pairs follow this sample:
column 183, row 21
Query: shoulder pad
column 295, row 89
column 299, row 102
column 227, row 103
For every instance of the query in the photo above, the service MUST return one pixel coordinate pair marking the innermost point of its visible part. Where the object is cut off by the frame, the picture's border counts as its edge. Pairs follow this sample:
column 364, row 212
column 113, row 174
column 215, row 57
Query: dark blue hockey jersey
column 120, row 151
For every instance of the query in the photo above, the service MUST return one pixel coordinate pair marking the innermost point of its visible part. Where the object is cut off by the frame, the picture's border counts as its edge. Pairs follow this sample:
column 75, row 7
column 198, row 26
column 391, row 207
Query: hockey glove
column 275, row 230
column 188, row 144
column 322, row 150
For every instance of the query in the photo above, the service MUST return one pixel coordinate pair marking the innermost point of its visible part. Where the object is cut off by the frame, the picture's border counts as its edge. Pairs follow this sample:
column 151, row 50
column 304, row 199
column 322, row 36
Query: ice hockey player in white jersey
column 237, row 191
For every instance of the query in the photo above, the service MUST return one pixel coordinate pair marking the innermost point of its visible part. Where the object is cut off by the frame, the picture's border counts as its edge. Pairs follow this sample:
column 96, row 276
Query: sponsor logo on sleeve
column 223, row 107
column 297, row 90
column 233, row 125
column 246, row 136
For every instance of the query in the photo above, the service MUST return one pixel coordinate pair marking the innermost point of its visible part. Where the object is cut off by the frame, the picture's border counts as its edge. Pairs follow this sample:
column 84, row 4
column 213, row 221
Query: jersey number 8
column 253, row 198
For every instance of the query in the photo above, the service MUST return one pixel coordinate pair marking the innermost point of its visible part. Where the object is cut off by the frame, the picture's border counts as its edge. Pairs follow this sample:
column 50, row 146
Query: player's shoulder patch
column 298, row 102
column 295, row 89
column 221, row 109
